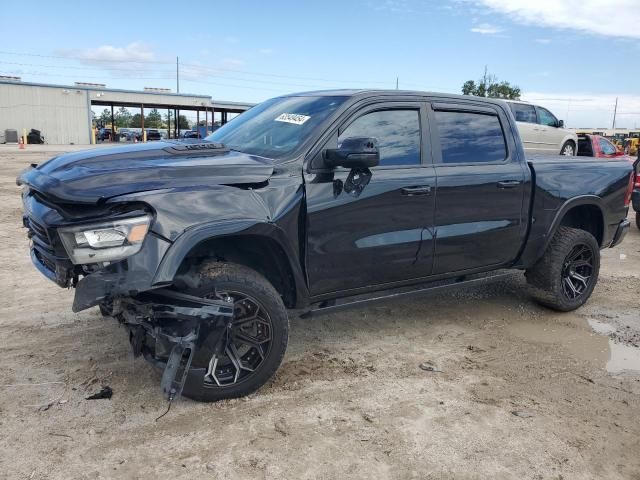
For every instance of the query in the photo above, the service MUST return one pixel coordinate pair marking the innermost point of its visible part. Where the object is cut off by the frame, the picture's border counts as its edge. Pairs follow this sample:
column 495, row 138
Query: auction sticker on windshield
column 292, row 118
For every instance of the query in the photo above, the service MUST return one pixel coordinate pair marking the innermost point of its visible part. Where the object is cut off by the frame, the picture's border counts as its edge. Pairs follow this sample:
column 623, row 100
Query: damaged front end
column 167, row 327
column 103, row 260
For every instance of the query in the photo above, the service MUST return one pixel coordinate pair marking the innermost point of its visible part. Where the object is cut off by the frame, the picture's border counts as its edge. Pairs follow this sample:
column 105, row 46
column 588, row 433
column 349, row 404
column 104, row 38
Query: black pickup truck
column 312, row 202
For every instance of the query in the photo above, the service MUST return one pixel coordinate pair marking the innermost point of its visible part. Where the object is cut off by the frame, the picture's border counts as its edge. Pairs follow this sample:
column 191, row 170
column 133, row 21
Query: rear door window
column 470, row 137
column 524, row 113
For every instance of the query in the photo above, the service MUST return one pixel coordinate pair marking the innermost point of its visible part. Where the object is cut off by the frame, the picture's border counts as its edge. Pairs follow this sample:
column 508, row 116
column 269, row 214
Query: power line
column 167, row 74
column 191, row 65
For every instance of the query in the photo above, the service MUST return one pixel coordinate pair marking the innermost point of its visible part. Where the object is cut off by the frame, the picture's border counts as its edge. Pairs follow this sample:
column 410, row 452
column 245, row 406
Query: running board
column 401, row 295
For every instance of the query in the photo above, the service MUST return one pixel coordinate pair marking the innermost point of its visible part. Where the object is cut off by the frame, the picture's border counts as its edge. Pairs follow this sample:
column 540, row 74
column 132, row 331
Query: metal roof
column 106, row 96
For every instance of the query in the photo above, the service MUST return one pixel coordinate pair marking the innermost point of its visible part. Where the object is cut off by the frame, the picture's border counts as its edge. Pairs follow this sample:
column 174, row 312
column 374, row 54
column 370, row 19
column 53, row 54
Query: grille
column 45, row 261
column 40, row 234
column 39, row 231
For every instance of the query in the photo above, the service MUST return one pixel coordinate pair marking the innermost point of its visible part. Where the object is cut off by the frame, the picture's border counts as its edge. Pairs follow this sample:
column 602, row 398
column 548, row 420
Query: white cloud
column 486, row 29
column 134, row 52
column 543, row 41
column 266, row 51
column 589, row 110
column 615, row 18
column 136, row 56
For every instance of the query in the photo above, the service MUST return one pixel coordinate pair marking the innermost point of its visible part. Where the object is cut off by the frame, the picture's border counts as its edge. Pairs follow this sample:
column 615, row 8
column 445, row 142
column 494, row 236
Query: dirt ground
column 518, row 392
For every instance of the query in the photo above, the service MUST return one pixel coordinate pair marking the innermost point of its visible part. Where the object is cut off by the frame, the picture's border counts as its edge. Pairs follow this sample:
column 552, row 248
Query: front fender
column 194, row 236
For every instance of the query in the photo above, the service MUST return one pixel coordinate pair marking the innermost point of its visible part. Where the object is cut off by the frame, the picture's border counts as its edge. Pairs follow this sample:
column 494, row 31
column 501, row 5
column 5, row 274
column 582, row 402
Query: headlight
column 105, row 242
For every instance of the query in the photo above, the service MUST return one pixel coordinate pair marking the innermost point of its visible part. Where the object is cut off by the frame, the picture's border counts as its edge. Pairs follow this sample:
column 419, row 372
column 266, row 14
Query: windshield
column 275, row 128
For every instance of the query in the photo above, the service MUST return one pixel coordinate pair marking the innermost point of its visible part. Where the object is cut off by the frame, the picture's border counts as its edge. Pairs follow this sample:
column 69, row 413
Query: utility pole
column 615, row 111
column 396, row 83
column 177, row 76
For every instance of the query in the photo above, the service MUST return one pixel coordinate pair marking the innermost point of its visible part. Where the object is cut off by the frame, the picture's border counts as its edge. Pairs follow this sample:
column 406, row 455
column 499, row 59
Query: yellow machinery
column 631, row 146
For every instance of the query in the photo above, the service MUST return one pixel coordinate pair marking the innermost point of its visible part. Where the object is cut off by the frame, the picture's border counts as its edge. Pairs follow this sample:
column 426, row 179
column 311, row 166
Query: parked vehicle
column 303, row 203
column 129, row 135
column 104, row 134
column 190, row 134
column 541, row 131
column 598, row 146
column 153, row 134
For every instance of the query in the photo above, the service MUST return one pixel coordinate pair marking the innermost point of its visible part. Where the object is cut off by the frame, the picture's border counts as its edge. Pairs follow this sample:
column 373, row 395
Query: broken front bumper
column 93, row 283
column 125, row 278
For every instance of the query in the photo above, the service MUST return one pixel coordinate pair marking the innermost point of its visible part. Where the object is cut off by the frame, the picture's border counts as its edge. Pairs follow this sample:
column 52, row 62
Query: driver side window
column 397, row 132
column 545, row 117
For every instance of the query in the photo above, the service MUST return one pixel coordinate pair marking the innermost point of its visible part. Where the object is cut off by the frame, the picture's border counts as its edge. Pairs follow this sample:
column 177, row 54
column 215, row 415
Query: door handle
column 417, row 190
column 509, row 183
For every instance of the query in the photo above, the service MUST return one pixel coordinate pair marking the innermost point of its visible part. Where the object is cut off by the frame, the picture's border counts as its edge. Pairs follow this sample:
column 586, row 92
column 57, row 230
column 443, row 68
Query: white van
column 541, row 131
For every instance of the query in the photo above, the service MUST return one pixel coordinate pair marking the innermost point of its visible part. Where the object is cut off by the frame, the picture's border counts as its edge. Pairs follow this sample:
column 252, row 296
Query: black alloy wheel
column 577, row 271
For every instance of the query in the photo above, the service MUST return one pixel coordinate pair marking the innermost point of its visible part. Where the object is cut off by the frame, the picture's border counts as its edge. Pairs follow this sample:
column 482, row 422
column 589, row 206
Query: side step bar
column 463, row 282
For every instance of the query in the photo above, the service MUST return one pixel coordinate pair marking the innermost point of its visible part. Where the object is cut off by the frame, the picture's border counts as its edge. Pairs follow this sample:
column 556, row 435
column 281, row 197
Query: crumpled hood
column 93, row 175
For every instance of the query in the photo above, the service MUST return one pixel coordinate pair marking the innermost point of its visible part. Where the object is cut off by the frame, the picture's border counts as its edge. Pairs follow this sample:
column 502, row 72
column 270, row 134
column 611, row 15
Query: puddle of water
column 569, row 331
column 588, row 341
column 601, row 327
column 621, row 357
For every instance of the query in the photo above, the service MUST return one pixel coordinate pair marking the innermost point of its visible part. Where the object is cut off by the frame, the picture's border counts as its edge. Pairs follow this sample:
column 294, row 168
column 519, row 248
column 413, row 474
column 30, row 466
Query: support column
column 144, row 136
column 198, row 122
column 113, row 126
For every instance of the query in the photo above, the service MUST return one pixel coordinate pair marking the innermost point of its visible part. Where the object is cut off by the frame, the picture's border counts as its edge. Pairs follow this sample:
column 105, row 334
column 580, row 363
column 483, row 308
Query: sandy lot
column 521, row 392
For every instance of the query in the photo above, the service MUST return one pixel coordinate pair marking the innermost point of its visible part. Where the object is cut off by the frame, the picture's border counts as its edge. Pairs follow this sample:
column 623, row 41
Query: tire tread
column 544, row 277
column 220, row 272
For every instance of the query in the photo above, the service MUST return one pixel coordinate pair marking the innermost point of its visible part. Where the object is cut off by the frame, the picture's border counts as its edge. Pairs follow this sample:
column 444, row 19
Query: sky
column 572, row 56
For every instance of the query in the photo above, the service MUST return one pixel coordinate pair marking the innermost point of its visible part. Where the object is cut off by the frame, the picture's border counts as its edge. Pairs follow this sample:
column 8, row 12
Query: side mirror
column 354, row 152
column 560, row 123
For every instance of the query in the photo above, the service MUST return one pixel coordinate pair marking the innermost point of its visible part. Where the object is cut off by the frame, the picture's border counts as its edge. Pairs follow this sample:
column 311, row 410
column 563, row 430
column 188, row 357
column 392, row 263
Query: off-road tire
column 566, row 144
column 216, row 276
column 638, row 220
column 546, row 276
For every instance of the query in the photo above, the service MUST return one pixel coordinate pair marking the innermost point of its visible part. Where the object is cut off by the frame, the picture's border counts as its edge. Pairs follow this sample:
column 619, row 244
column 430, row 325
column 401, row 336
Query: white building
column 62, row 113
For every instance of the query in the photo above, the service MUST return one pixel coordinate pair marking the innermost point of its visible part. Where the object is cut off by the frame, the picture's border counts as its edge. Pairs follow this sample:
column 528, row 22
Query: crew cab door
column 368, row 227
column 481, row 214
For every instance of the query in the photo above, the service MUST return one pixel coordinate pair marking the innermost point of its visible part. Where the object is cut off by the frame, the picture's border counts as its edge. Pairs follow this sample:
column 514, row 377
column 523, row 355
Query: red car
column 597, row 146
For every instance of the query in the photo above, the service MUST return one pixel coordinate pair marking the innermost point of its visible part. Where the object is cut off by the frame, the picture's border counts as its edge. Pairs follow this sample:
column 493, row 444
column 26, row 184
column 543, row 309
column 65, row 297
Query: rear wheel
column 256, row 342
column 565, row 276
column 569, row 148
column 638, row 219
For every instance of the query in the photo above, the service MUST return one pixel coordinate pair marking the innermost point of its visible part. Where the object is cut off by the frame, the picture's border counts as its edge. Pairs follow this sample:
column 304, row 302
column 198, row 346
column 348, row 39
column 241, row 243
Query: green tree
column 489, row 86
column 136, row 121
column 123, row 117
column 153, row 120
column 105, row 118
column 183, row 123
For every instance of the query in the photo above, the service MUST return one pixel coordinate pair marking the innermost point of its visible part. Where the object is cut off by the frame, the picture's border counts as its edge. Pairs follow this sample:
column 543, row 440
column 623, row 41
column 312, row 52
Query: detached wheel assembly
column 564, row 278
column 254, row 342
